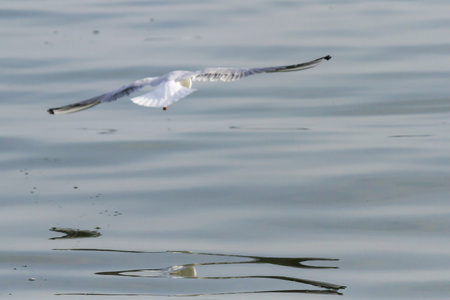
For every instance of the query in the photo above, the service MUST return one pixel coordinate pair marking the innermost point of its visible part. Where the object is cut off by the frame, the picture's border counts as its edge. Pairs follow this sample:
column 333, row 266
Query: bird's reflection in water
column 72, row 233
column 189, row 271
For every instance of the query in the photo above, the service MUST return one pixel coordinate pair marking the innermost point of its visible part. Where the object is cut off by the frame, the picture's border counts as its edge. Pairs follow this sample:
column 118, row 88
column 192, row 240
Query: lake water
column 314, row 184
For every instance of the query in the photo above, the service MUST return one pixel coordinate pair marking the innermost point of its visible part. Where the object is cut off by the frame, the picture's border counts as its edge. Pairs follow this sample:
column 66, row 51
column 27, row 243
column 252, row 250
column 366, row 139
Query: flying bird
column 176, row 85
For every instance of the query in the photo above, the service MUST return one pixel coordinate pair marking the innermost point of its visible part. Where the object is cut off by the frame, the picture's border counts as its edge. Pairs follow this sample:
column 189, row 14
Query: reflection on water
column 101, row 130
column 190, row 271
column 74, row 233
column 168, row 38
column 246, row 128
column 410, row 136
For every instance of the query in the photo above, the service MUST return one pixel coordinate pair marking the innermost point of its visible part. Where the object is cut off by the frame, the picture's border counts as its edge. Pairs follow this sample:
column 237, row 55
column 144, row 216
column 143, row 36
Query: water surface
column 330, row 182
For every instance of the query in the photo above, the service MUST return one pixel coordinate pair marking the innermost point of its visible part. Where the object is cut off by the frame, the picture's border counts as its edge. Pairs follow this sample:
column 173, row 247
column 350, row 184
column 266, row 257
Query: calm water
column 331, row 181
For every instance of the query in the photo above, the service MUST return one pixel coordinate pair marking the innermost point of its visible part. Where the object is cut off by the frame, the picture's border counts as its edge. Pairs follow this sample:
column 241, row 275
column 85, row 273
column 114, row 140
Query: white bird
column 175, row 85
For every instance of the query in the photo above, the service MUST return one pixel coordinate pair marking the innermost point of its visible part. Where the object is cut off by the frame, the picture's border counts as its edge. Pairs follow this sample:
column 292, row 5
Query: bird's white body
column 176, row 85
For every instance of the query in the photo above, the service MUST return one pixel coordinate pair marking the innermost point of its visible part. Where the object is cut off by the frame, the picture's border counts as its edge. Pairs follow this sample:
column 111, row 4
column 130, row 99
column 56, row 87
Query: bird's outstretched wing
column 231, row 74
column 71, row 108
column 173, row 90
column 107, row 97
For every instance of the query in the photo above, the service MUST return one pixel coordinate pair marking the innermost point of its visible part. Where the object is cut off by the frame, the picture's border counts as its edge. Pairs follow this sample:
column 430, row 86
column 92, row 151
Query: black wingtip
column 328, row 57
column 50, row 111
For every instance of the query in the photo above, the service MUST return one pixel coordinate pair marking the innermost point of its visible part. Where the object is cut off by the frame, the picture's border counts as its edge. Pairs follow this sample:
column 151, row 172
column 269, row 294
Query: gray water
column 326, row 182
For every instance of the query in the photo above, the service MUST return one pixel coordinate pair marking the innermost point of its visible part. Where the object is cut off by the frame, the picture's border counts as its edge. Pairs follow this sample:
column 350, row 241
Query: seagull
column 176, row 85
